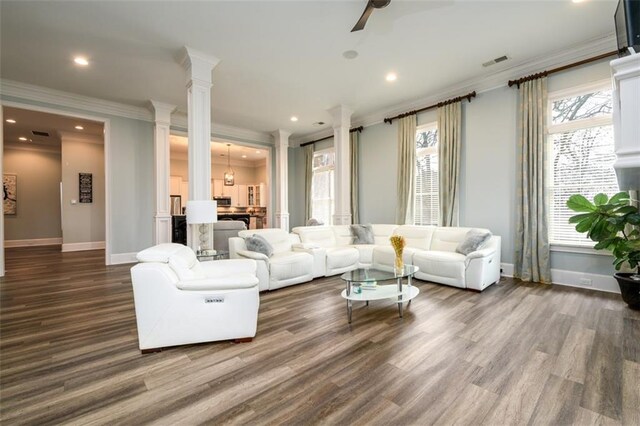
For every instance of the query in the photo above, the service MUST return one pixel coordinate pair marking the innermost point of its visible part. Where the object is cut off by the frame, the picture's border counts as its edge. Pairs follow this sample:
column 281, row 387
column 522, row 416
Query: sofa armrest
column 319, row 257
column 221, row 268
column 481, row 253
column 235, row 282
column 247, row 254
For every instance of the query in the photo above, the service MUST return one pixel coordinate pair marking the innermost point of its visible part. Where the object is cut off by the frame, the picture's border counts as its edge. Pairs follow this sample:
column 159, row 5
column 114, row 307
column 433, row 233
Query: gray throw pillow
column 474, row 239
column 362, row 234
column 258, row 244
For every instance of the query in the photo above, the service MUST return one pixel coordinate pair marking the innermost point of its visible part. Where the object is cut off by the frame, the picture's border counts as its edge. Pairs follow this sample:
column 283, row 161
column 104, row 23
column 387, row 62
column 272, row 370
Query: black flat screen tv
column 627, row 20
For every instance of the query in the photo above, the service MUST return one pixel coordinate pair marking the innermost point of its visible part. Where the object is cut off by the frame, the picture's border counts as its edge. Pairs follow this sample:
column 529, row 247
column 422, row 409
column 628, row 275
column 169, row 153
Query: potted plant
column 614, row 224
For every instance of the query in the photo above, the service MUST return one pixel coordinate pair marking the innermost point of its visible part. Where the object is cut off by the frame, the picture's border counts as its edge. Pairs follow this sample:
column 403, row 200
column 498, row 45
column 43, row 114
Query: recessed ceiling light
column 294, row 118
column 22, row 138
column 11, row 120
column 244, row 156
column 391, row 76
column 350, row 54
column 78, row 127
column 80, row 60
column 257, row 152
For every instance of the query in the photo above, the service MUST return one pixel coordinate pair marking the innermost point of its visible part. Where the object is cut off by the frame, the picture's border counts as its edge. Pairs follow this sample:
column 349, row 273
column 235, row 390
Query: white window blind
column 582, row 157
column 322, row 186
column 427, row 199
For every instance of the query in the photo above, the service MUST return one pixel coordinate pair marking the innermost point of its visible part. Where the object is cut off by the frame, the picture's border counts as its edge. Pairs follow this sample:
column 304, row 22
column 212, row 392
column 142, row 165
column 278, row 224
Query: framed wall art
column 10, row 196
column 86, row 187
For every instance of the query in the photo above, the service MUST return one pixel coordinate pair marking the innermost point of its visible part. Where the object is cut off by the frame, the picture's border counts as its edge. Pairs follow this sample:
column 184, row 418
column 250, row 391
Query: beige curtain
column 406, row 169
column 354, row 138
column 308, row 177
column 532, row 236
column 449, row 141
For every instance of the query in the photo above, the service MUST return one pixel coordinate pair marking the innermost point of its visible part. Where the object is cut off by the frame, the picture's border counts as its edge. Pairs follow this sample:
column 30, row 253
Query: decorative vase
column 398, row 263
column 629, row 289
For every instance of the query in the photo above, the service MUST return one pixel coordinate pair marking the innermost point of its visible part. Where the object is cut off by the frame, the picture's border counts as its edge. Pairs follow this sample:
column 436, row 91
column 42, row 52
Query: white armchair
column 180, row 301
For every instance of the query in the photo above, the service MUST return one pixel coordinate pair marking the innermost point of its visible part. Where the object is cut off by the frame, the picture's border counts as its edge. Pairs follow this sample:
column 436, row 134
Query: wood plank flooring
column 515, row 354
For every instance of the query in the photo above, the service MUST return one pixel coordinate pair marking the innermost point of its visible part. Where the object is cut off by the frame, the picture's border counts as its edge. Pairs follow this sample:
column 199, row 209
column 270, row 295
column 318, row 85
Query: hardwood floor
column 514, row 354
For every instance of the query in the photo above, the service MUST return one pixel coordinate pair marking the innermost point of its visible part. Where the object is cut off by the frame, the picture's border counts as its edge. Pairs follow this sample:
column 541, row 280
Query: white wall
column 38, row 213
column 243, row 175
column 82, row 222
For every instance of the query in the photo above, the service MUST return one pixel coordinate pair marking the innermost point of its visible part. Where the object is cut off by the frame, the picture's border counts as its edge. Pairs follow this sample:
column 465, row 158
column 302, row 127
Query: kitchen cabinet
column 216, row 188
column 242, row 196
column 256, row 195
column 232, row 192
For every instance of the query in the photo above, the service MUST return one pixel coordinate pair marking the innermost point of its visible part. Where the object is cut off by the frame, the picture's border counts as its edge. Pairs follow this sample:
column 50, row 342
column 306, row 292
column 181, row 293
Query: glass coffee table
column 367, row 287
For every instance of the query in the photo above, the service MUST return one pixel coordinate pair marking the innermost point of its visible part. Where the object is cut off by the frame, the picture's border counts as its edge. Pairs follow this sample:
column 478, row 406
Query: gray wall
column 82, row 222
column 488, row 176
column 38, row 213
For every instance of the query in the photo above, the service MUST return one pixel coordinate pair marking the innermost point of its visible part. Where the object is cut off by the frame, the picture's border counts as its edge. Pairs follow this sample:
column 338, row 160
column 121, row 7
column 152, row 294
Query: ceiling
column 283, row 58
column 240, row 155
column 26, row 121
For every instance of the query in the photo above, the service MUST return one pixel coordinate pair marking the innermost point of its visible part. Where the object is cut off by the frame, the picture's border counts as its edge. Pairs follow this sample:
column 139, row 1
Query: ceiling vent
column 38, row 133
column 495, row 61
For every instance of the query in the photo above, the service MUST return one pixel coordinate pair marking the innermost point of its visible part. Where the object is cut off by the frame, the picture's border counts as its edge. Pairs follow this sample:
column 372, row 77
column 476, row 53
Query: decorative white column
column 162, row 217
column 199, row 67
column 342, row 196
column 282, row 178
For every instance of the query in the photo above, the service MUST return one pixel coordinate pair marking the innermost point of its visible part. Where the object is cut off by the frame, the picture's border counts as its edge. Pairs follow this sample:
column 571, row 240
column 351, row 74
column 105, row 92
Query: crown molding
column 179, row 121
column 484, row 83
column 70, row 100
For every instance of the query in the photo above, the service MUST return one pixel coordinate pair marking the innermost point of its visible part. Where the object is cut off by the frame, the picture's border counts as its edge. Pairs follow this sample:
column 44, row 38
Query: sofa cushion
column 279, row 239
column 259, row 244
column 440, row 263
column 447, row 239
column 362, row 234
column 366, row 253
column 185, row 264
column 342, row 234
column 386, row 255
column 320, row 236
column 285, row 266
column 474, row 239
column 342, row 257
column 416, row 236
column 381, row 234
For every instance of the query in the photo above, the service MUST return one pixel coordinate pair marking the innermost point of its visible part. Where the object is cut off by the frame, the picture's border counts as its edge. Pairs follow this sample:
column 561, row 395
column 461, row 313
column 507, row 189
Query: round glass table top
column 378, row 273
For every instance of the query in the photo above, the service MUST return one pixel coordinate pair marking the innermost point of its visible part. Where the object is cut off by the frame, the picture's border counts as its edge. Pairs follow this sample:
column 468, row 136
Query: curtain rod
column 562, row 68
column 468, row 97
column 355, row 129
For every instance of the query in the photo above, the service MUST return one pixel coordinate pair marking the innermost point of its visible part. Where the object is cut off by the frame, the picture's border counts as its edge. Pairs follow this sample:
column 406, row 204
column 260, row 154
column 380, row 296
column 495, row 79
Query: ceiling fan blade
column 363, row 19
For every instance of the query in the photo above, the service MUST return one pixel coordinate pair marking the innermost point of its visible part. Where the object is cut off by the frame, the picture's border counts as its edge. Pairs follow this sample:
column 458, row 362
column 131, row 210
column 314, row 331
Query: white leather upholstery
column 172, row 296
column 386, row 255
column 441, row 266
column 285, row 267
column 341, row 259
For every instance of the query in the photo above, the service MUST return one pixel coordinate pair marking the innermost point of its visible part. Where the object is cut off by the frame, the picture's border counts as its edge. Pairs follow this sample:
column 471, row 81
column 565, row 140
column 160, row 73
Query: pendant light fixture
column 229, row 177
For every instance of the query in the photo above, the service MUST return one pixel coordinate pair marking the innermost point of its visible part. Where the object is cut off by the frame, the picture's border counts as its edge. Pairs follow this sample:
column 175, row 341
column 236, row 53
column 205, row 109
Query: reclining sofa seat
column 284, row 268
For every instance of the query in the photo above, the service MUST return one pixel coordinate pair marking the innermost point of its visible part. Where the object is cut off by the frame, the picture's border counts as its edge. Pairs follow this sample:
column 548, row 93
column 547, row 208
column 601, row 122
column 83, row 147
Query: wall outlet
column 214, row 299
column 586, row 282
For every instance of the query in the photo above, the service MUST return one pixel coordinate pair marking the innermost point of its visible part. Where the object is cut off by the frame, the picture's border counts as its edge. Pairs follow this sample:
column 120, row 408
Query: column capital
column 162, row 111
column 198, row 65
column 340, row 114
column 281, row 137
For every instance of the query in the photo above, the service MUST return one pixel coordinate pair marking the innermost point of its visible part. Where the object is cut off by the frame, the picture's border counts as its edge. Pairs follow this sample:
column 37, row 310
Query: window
column 427, row 199
column 582, row 156
column 322, row 187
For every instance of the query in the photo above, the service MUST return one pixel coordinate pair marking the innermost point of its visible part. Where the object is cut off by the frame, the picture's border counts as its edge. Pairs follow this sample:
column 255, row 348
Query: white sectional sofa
column 317, row 251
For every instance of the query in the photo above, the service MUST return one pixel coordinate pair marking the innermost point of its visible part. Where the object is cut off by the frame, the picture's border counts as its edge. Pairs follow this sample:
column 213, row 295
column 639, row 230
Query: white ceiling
column 26, row 121
column 283, row 58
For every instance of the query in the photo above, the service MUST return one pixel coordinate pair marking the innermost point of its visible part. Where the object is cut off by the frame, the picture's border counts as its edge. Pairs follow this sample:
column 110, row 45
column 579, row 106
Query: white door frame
column 268, row 148
column 107, row 161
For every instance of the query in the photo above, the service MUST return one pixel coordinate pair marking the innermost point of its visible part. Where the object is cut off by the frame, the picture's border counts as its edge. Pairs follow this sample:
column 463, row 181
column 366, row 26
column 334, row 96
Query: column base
column 282, row 221
column 162, row 228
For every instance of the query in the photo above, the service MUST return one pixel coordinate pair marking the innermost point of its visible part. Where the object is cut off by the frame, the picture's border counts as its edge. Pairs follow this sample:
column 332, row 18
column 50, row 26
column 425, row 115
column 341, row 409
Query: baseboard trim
column 606, row 283
column 122, row 258
column 93, row 245
column 33, row 242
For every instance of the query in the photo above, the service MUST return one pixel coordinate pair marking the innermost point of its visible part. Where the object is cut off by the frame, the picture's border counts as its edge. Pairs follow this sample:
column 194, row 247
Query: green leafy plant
column 612, row 223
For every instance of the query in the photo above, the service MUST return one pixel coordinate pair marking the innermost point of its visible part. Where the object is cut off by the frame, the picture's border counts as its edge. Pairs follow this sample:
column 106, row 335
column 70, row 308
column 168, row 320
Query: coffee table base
column 382, row 292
